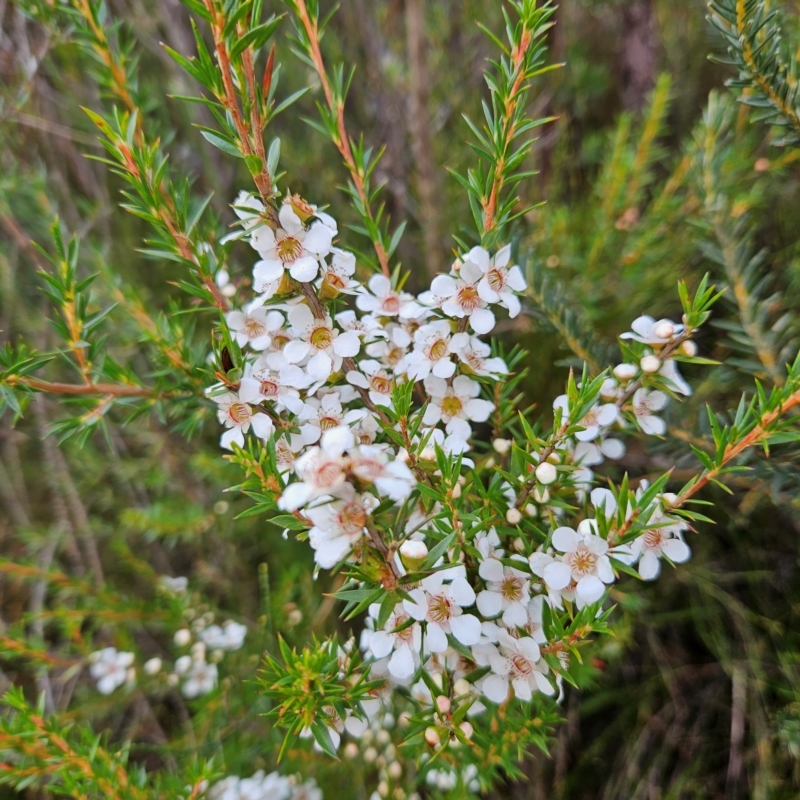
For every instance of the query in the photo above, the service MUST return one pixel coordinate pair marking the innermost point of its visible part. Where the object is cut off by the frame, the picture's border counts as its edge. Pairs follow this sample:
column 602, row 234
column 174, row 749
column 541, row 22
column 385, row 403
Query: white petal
column 262, row 426
column 565, row 539
column 490, row 604
column 491, row 569
column 381, row 644
column 443, row 286
column 516, row 280
column 461, row 592
column 655, row 426
column 401, row 664
column 318, row 239
column 466, row 628
column 417, row 608
column 268, row 270
column 515, row 616
column 480, row 257
column 305, row 269
column 482, row 320
column 590, row 589
column 557, row 575
column 649, row 566
column 296, row 351
column 676, row 550
column 495, row 688
column 436, row 638
column 320, row 366
column 522, row 689
column 230, row 437
column 347, row 344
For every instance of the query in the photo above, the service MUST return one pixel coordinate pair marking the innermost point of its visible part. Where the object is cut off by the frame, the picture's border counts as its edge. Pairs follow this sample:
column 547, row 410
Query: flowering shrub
column 379, row 417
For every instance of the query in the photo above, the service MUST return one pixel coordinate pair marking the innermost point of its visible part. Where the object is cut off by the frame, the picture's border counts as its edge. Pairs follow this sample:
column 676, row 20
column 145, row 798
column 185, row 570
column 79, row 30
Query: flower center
column 654, row 538
column 289, row 249
column 326, row 423
column 239, row 413
column 451, row 406
column 496, row 279
column 468, row 297
column 369, row 468
column 280, row 340
column 321, row 337
column 328, row 473
column 284, row 454
column 437, row 350
column 439, row 609
column 353, row 518
column 269, row 388
column 391, row 303
column 394, row 355
column 380, row 384
column 334, row 280
column 511, row 589
column 254, row 328
column 521, row 664
column 582, row 560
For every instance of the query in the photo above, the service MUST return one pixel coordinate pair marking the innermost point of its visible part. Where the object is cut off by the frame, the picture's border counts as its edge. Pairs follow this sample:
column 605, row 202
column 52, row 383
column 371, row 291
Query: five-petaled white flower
column 432, row 352
column 200, row 679
column 439, row 605
column 455, row 405
column 644, row 403
column 110, row 668
column 499, row 281
column 516, row 662
column 458, row 297
column 597, row 417
column 651, row 331
column 253, row 326
column 507, row 592
column 372, row 376
column 402, row 640
column 238, row 417
column 230, row 636
column 381, row 299
column 370, row 463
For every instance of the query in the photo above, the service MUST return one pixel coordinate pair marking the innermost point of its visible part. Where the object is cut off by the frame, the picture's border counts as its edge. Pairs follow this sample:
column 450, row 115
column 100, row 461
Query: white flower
column 110, row 668
column 371, row 463
column 201, row 679
column 477, row 355
column 455, row 405
column 534, row 625
column 239, row 417
column 372, row 376
column 260, row 384
column 317, row 340
column 584, row 562
column 665, row 538
column 381, row 299
column 254, row 326
column 404, row 645
column 291, row 247
column 499, row 281
column 228, row 637
column 338, row 525
column 439, row 605
column 647, row 330
column 321, row 415
column 507, row 592
column 432, row 351
column 458, row 297
column 176, row 585
column 597, row 417
column 338, row 275
column 516, row 662
column 392, row 351
column 321, row 470
column 669, row 372
column 644, row 403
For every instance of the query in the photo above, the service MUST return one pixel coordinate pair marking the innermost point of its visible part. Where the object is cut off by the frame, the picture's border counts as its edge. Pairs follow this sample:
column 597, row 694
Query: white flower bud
column 395, row 770
column 370, row 754
column 152, row 667
column 172, row 680
column 490, row 462
column 689, row 348
column 443, row 704
column 664, row 330
column 466, row 729
column 437, row 679
column 295, row 617
column 404, row 719
column 530, row 508
column 199, row 651
column 455, row 492
column 541, row 495
column 462, row 687
column 650, row 364
column 383, row 789
column 428, row 454
column 182, row 637
column 351, row 750
column 501, row 446
column 383, row 737
column 216, row 656
column 554, row 458
column 183, row 664
column 624, row 372
column 518, row 544
column 432, row 737
column 513, row 516
column 546, row 473
column 413, row 553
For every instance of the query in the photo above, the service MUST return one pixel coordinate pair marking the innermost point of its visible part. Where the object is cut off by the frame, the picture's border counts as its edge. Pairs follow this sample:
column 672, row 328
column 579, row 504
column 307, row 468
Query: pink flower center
column 521, row 665
column 468, row 297
column 496, row 279
column 239, row 413
column 352, row 518
column 391, row 303
column 269, row 388
column 582, row 560
column 654, row 538
column 439, row 609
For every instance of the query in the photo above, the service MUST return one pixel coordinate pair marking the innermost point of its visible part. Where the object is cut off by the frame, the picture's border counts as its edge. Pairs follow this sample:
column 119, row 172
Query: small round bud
column 432, row 737
column 216, row 656
column 182, row 637
column 383, row 789
column 501, row 446
column 689, row 348
column 428, row 454
column 383, row 737
column 466, row 729
column 546, row 473
column 624, row 372
column 351, row 750
column 395, row 770
column 443, row 704
column 199, row 651
column 541, row 495
column 490, row 462
column 554, row 458
column 530, row 508
column 370, row 754
column 518, row 544
column 413, row 553
column 664, row 330
column 295, row 617
column 183, row 664
column 221, row 507
column 513, row 516
column 650, row 364
column 404, row 720
column 455, row 492
column 152, row 667
column 461, row 687
column 172, row 680
column 761, row 165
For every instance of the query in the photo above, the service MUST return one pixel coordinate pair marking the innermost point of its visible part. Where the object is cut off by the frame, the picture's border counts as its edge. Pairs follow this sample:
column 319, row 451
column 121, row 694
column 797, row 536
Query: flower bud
column 650, row 364
column 541, row 495
column 501, row 446
column 300, row 207
column 518, row 544
column 455, row 492
column 625, row 372
column 395, row 770
column 530, row 508
column 370, row 754
column 461, row 687
column 413, row 553
column 664, row 329
column 466, row 729
column 199, row 651
column 152, row 667
column 351, row 750
column 432, row 737
column 182, row 637
column 689, row 348
column 428, row 454
column 443, row 704
column 546, row 473
column 383, row 789
column 513, row 516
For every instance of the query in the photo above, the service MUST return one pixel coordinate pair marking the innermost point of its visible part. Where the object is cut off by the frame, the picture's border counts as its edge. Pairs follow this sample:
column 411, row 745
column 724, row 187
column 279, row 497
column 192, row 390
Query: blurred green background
column 698, row 693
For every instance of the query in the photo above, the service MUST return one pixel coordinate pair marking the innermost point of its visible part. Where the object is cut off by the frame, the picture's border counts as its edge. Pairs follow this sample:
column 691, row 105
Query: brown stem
column 73, row 389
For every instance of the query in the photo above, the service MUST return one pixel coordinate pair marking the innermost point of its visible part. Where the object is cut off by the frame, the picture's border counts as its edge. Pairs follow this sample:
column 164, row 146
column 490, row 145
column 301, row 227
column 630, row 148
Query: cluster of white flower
column 318, row 386
column 196, row 670
column 264, row 786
